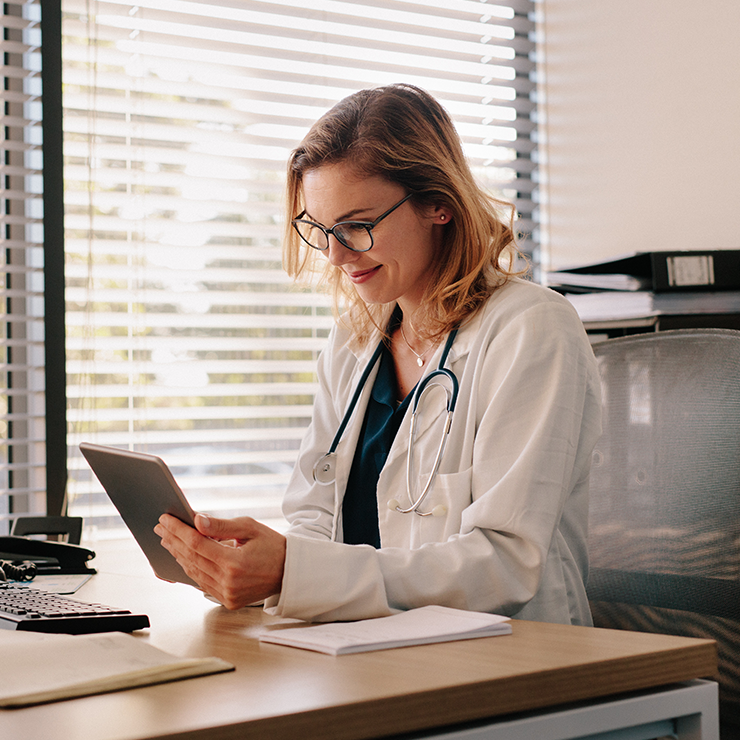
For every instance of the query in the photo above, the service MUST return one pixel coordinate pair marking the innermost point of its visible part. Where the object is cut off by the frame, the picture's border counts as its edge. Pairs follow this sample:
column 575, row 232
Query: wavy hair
column 403, row 134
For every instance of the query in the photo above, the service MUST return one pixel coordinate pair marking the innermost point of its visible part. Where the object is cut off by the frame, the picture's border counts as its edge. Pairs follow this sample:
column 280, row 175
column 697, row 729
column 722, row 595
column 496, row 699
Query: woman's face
column 399, row 265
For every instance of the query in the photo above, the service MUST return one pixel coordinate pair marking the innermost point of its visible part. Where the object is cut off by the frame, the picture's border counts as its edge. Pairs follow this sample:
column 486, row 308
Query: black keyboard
column 30, row 609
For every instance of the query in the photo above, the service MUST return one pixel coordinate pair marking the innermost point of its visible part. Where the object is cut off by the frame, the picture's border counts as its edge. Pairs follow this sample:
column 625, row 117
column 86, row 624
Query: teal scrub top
column 382, row 420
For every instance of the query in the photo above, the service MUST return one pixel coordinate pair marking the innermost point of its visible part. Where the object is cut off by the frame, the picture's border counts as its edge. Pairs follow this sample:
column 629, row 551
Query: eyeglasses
column 355, row 235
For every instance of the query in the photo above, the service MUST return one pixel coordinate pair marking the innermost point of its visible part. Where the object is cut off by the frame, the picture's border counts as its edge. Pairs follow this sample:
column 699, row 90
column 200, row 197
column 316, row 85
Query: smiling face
column 399, row 265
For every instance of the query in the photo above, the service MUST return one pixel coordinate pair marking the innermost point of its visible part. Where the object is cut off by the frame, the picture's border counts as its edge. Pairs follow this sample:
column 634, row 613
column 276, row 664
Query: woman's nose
column 338, row 254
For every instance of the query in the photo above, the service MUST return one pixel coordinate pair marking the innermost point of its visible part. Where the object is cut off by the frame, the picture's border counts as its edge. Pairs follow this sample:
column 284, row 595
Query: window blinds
column 22, row 431
column 184, row 336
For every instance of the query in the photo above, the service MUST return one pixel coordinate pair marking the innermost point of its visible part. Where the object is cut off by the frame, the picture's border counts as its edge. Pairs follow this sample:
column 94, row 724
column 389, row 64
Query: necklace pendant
column 420, row 362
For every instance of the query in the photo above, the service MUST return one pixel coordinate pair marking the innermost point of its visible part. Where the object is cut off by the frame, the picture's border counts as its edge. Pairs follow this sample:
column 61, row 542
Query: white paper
column 607, row 281
column 421, row 626
column 690, row 270
column 614, row 306
column 58, row 584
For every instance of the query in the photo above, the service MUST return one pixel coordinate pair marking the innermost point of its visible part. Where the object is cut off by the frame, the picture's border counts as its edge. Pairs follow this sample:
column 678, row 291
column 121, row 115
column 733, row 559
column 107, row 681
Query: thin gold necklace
column 419, row 357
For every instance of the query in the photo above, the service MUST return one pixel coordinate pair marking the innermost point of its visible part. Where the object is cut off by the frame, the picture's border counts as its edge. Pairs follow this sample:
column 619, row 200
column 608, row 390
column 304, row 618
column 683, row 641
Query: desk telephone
column 51, row 558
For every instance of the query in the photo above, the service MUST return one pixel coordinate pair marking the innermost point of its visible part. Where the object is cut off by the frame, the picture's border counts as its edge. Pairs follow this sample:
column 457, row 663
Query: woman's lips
column 360, row 276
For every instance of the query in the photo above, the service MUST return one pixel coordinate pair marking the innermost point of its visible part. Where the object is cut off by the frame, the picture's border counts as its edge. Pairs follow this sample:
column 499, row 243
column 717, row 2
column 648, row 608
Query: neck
column 418, row 347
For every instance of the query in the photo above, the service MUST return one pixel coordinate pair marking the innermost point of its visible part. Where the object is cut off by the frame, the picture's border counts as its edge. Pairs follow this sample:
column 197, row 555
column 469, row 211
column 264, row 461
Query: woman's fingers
column 235, row 575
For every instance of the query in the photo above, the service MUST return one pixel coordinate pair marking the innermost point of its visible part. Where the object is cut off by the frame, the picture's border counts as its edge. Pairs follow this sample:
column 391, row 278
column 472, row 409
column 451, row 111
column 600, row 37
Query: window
column 23, row 397
column 184, row 336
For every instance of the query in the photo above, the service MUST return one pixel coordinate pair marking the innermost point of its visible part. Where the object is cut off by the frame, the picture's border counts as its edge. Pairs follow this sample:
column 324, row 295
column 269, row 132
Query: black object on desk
column 50, row 558
column 32, row 610
column 68, row 526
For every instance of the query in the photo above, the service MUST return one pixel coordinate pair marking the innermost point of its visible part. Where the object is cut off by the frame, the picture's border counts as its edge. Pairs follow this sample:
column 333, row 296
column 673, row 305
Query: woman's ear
column 441, row 215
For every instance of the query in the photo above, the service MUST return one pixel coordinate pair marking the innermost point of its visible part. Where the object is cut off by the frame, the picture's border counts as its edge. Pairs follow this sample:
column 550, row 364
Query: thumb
column 225, row 529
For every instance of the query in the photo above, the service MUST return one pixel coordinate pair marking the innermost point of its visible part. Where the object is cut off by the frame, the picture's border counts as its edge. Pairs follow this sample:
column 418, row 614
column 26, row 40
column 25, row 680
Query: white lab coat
column 513, row 479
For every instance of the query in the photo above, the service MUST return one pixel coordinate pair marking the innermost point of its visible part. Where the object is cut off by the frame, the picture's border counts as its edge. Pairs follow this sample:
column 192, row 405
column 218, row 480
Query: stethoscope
column 324, row 471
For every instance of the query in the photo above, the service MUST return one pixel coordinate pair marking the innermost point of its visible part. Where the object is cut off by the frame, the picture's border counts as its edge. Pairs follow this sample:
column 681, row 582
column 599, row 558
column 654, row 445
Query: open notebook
column 39, row 668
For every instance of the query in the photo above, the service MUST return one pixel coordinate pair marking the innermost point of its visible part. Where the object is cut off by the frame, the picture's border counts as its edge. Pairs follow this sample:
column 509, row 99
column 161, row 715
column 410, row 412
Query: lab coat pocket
column 451, row 494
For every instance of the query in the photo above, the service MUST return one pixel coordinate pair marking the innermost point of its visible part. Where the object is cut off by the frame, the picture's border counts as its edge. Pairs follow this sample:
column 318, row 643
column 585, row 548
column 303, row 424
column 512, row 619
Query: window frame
column 54, row 273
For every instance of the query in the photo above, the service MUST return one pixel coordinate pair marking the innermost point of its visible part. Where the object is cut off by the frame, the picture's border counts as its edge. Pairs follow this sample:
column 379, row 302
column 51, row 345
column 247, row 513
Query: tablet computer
column 142, row 488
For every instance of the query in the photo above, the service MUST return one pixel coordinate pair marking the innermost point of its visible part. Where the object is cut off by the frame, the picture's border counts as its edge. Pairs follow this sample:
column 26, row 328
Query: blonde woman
column 438, row 332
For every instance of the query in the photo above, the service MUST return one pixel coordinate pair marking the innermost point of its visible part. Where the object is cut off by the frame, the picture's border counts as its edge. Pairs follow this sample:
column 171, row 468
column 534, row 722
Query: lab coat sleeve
column 530, row 405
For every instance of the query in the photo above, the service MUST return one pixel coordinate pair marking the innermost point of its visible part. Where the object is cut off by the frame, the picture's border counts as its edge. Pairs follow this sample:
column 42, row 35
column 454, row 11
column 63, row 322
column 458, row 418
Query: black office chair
column 69, row 527
column 664, row 530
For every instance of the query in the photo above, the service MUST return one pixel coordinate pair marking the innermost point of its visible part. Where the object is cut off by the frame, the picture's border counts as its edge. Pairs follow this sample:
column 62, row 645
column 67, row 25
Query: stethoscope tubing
column 324, row 469
column 426, row 384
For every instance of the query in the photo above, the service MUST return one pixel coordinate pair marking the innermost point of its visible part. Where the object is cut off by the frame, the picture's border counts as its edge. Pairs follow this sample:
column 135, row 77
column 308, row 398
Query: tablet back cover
column 142, row 488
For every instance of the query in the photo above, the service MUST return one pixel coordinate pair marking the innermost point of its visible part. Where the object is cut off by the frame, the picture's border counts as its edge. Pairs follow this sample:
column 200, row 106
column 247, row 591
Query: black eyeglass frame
column 367, row 225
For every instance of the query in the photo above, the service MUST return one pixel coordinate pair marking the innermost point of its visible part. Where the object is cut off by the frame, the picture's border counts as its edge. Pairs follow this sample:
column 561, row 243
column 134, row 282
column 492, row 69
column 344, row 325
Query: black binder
column 659, row 272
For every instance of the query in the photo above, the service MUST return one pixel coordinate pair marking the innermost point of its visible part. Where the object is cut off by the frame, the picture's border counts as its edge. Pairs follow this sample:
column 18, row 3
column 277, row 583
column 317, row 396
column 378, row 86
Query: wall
column 641, row 126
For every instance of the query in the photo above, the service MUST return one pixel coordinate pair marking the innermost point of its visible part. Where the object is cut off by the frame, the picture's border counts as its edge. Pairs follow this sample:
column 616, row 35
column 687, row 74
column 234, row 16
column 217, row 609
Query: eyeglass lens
column 353, row 235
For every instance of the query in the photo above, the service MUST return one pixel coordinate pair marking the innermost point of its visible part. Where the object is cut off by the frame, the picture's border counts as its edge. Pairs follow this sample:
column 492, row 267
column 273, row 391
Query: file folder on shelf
column 654, row 271
column 621, row 306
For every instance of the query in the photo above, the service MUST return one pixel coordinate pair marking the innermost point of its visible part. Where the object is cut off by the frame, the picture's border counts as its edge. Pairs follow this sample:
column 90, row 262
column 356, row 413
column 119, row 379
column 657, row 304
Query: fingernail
column 205, row 521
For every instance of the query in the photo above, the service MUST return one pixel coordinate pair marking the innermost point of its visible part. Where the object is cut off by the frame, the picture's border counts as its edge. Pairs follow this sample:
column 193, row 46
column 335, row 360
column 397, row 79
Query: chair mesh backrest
column 664, row 529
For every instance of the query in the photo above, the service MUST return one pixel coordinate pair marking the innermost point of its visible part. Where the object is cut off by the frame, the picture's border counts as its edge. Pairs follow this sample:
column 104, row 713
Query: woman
column 417, row 253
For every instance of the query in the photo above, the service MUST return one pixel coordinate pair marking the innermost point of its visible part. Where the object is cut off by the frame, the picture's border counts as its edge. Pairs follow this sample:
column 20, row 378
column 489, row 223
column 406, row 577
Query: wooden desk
column 279, row 692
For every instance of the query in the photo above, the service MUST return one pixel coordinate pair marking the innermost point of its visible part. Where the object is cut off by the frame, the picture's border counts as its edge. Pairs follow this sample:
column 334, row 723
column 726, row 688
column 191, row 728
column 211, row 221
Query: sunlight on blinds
column 184, row 336
column 22, row 432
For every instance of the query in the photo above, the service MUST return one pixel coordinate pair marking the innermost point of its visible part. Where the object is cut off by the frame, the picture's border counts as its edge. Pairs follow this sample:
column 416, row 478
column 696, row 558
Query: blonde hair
column 403, row 134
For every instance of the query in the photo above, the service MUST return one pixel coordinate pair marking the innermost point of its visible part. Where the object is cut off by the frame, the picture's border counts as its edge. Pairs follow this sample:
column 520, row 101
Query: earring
column 442, row 217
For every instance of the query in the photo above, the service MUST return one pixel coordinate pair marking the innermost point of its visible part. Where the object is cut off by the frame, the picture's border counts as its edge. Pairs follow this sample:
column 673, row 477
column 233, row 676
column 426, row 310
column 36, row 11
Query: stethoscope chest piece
column 324, row 471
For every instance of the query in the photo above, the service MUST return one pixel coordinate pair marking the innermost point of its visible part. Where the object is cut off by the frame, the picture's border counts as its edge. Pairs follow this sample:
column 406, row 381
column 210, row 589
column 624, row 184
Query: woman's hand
column 236, row 561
